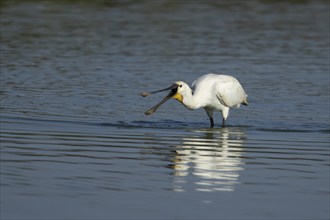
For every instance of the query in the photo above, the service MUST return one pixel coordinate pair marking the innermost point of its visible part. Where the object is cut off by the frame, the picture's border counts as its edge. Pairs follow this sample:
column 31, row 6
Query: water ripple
column 208, row 159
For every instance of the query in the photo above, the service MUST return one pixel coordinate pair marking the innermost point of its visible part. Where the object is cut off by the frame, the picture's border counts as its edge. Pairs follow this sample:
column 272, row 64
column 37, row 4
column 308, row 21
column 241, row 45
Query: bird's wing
column 230, row 93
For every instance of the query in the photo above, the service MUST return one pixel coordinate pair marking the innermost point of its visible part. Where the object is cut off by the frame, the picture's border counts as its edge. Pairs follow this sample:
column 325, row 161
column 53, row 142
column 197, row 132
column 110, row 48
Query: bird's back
column 225, row 88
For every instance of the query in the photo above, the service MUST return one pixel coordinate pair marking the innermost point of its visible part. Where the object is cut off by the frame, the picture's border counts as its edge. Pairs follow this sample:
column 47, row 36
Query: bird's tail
column 245, row 102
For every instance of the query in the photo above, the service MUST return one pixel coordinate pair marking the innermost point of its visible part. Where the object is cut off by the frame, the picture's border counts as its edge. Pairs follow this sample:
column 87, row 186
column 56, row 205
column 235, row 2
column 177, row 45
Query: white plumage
column 211, row 91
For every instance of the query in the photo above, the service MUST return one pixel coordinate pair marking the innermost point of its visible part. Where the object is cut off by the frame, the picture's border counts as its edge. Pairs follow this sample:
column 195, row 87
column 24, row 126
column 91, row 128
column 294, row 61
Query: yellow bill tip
column 145, row 94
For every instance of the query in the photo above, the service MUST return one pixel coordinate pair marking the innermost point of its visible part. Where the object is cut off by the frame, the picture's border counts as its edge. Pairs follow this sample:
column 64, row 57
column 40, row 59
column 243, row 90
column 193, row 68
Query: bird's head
column 177, row 91
column 182, row 89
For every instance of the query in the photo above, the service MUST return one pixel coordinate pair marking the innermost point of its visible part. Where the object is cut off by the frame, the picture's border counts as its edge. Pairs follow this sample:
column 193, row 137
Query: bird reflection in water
column 209, row 162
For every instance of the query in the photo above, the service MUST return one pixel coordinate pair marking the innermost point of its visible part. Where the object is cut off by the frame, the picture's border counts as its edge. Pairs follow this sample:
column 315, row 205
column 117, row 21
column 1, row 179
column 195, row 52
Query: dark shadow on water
column 160, row 124
column 326, row 131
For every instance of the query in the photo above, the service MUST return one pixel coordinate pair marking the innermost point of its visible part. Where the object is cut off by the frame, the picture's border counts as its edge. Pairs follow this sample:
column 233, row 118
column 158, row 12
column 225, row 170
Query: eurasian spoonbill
column 211, row 91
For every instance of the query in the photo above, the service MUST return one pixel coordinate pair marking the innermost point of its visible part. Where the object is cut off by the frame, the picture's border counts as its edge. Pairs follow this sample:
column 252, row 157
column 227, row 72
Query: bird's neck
column 189, row 100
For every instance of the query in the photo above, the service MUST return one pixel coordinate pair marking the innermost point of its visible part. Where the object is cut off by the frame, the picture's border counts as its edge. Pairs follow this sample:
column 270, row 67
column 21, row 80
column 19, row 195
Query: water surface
column 75, row 143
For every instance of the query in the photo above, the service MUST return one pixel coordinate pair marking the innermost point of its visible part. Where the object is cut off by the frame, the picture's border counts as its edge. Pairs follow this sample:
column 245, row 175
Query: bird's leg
column 209, row 113
column 225, row 113
column 211, row 122
column 223, row 122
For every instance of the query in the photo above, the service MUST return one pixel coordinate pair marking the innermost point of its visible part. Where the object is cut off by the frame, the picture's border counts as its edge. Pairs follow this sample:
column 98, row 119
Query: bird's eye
column 180, row 86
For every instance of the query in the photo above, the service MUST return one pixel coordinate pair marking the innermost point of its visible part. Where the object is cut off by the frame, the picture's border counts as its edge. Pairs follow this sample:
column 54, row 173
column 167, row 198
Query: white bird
column 211, row 91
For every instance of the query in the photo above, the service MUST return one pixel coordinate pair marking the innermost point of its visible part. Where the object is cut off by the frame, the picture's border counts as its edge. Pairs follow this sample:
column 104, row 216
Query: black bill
column 173, row 88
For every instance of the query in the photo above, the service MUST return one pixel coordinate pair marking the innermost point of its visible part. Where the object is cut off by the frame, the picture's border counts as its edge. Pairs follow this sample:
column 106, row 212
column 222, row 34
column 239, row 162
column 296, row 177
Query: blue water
column 75, row 143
